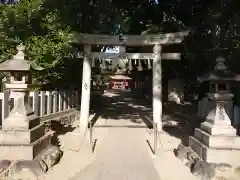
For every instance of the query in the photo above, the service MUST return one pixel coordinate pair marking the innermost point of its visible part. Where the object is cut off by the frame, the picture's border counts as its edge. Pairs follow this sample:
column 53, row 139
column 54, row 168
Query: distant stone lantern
column 23, row 137
column 216, row 137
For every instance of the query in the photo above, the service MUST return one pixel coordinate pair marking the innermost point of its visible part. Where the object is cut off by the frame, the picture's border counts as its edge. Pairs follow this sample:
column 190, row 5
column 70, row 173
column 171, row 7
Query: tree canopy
column 46, row 27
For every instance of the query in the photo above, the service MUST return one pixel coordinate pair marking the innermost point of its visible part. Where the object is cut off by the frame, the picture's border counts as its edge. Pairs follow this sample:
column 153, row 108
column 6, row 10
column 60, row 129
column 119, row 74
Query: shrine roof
column 120, row 77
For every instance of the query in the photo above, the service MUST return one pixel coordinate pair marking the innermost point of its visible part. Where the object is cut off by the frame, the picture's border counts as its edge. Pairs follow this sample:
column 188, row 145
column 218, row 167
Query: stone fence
column 44, row 103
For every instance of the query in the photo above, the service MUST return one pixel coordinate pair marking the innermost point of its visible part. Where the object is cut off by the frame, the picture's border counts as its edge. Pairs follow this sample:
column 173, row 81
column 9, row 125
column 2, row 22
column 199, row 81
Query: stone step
column 217, row 141
column 214, row 155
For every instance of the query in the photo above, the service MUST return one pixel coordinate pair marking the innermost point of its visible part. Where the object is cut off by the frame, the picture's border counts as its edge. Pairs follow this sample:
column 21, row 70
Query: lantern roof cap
column 19, row 63
column 220, row 72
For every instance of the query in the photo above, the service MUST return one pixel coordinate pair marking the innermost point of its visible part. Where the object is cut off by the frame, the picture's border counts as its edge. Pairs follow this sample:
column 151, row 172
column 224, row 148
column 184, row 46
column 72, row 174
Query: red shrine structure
column 120, row 82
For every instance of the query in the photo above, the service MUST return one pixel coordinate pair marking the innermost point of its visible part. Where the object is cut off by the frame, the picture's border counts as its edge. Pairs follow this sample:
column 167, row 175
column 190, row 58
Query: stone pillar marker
column 216, row 140
column 22, row 137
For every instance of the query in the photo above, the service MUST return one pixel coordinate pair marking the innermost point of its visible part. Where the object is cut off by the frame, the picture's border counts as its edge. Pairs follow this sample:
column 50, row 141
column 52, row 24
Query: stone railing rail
column 44, row 103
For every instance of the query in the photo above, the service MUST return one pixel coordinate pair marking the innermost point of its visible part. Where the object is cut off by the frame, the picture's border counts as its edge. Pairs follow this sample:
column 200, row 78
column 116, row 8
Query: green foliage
column 47, row 40
column 50, row 49
column 46, row 26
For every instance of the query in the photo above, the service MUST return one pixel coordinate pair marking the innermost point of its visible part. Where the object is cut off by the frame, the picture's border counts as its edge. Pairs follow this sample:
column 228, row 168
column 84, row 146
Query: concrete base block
column 25, row 151
column 214, row 155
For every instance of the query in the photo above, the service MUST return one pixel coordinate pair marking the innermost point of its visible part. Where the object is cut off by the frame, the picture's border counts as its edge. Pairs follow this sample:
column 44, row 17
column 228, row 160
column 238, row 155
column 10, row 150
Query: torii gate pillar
column 157, row 86
column 86, row 88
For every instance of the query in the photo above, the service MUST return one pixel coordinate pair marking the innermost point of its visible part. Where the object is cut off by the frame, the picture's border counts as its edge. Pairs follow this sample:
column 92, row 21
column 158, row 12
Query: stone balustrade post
column 36, row 104
column 60, row 101
column 42, row 103
column 68, row 99
column 71, row 99
column 65, row 100
column 49, row 102
column 55, row 101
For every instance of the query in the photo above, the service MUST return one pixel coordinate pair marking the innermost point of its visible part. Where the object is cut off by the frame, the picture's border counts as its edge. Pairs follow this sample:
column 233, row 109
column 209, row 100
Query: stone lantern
column 22, row 137
column 216, row 138
column 20, row 77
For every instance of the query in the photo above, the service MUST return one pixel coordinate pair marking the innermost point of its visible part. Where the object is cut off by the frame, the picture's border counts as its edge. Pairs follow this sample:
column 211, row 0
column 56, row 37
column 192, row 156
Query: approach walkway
column 122, row 152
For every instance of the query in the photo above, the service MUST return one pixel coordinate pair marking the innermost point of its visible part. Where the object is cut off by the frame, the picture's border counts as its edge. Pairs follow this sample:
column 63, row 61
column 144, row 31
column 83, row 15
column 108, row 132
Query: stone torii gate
column 128, row 40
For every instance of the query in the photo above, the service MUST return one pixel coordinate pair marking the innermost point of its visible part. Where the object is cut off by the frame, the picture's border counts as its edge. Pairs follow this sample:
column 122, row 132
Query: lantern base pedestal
column 216, row 141
column 35, row 158
column 21, row 136
column 14, row 123
column 216, row 144
column 215, row 129
column 214, row 155
column 27, row 145
column 25, row 151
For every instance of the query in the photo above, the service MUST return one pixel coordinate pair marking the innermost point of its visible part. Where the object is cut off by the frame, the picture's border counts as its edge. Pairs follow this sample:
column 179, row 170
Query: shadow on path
column 119, row 105
column 179, row 120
